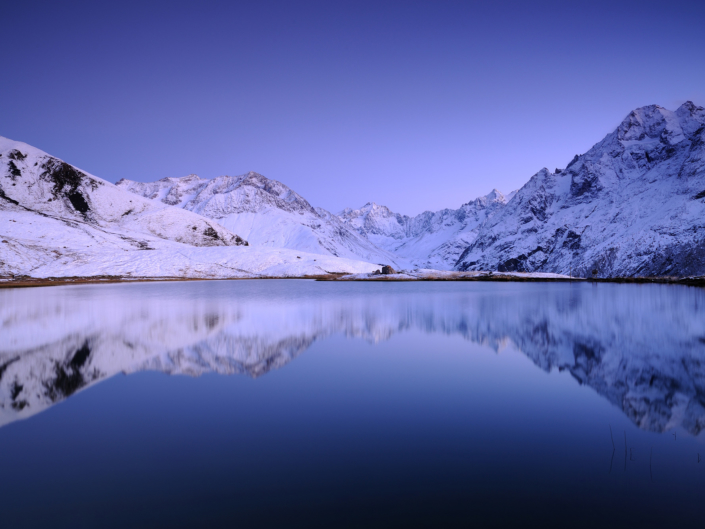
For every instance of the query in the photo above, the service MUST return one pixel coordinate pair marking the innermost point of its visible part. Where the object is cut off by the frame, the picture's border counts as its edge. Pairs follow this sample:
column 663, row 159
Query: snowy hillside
column 634, row 204
column 265, row 212
column 56, row 220
column 429, row 240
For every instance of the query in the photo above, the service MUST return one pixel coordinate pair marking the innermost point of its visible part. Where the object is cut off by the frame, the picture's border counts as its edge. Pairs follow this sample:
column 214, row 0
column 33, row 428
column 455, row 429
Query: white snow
column 265, row 212
column 627, row 207
column 430, row 239
column 43, row 234
column 632, row 205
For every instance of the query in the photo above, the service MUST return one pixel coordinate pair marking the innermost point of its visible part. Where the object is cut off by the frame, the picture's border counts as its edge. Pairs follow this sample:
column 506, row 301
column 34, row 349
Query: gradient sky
column 415, row 105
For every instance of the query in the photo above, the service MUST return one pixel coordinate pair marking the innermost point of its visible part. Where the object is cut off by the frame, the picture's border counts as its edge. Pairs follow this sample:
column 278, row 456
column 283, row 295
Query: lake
column 293, row 403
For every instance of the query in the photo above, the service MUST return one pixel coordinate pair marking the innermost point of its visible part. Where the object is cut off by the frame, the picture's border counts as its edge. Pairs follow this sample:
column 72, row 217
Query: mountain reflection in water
column 641, row 347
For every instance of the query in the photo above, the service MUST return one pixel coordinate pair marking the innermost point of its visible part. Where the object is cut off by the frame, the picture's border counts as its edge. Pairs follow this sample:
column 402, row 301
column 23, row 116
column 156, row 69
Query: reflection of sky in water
column 416, row 419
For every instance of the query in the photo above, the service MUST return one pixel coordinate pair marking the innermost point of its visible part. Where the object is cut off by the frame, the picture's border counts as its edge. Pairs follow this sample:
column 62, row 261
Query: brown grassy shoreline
column 26, row 282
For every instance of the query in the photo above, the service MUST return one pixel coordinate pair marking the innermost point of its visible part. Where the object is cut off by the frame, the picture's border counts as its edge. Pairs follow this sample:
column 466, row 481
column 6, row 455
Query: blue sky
column 415, row 105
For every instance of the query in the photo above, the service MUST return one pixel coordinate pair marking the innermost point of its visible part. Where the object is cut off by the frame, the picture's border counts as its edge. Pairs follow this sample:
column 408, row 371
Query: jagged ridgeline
column 265, row 212
column 633, row 205
column 57, row 221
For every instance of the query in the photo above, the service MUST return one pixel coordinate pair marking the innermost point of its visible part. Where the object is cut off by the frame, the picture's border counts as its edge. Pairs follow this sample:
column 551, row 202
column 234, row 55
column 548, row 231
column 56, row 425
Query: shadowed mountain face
column 642, row 347
column 630, row 206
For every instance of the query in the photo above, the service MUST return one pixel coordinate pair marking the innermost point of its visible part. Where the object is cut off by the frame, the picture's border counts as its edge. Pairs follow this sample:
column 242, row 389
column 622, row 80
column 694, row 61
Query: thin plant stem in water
column 612, row 437
column 651, row 454
column 625, row 450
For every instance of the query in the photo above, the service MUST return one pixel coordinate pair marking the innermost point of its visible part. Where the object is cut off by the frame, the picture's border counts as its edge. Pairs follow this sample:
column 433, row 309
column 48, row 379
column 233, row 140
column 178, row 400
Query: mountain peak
column 654, row 122
column 494, row 195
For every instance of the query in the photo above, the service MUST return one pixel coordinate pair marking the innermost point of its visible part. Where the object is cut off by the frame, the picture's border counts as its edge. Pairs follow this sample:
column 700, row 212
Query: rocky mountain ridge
column 57, row 220
column 266, row 212
column 633, row 205
column 428, row 240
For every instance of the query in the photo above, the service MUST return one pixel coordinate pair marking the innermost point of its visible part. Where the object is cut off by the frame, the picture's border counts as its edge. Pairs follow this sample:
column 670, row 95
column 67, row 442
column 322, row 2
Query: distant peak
column 650, row 122
column 647, row 109
column 186, row 178
column 689, row 109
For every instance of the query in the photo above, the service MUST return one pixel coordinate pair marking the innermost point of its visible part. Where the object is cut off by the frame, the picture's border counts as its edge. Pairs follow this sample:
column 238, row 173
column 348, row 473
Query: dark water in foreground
column 352, row 405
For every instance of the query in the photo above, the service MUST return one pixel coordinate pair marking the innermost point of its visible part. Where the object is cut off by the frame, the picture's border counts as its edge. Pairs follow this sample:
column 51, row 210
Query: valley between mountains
column 633, row 205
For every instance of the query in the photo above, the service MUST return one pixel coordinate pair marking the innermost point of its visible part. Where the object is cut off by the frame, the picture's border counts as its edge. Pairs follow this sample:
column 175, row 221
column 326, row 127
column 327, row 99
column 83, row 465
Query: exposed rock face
column 633, row 205
column 387, row 270
column 266, row 212
column 430, row 239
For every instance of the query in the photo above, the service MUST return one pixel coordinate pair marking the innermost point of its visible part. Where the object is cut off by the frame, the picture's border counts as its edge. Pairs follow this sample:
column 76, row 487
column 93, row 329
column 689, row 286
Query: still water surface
column 319, row 404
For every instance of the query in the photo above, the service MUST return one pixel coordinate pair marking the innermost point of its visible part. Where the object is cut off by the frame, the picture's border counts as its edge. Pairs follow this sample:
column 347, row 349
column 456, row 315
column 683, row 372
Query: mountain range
column 633, row 205
column 431, row 239
column 57, row 221
column 265, row 212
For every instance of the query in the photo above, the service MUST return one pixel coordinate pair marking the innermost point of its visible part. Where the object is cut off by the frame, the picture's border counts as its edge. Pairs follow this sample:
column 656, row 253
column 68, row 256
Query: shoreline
column 30, row 282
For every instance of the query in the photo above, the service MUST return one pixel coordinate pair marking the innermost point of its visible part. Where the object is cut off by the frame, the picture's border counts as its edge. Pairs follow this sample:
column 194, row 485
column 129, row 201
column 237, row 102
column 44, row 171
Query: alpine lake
column 297, row 403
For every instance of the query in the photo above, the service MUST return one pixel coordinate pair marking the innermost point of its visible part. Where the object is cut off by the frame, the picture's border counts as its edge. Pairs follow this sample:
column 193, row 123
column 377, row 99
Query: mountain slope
column 266, row 212
column 56, row 220
column 634, row 204
column 430, row 239
column 32, row 180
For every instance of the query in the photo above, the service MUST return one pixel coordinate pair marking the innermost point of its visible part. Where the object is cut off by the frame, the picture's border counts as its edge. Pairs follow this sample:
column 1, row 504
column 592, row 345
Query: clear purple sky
column 415, row 105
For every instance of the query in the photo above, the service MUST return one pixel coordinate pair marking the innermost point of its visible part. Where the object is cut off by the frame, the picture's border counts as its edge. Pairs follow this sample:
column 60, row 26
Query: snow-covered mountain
column 56, row 220
column 639, row 346
column 430, row 239
column 265, row 212
column 633, row 205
